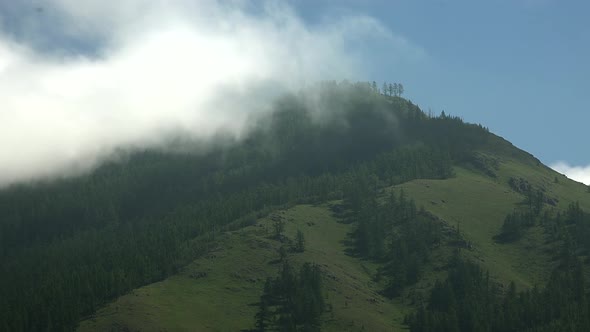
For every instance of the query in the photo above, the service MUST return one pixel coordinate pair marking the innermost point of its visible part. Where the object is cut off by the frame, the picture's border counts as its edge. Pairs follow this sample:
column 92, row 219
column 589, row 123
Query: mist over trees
column 145, row 69
column 69, row 246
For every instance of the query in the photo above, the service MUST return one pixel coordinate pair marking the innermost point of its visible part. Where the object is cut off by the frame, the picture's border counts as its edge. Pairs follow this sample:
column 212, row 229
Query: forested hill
column 346, row 126
column 69, row 246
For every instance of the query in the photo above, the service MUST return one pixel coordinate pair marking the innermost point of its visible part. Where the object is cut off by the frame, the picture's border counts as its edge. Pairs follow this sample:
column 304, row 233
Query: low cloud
column 577, row 173
column 88, row 78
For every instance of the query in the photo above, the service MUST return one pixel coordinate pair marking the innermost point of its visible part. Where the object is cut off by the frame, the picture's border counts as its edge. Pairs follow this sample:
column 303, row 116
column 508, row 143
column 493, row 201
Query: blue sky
column 519, row 67
column 80, row 79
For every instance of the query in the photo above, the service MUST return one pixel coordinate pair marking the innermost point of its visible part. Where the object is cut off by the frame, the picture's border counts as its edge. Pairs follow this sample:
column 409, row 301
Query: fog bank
column 135, row 73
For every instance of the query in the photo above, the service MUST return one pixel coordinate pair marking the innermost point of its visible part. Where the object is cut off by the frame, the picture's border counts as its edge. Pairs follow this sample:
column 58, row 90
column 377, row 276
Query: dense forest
column 68, row 246
column 394, row 234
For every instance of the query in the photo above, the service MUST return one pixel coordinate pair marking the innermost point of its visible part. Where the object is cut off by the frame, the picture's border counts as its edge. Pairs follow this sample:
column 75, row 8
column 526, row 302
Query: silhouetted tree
column 299, row 242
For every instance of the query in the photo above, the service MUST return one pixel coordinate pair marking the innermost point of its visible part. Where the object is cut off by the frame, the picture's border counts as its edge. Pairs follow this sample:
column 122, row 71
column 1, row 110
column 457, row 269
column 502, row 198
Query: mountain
column 345, row 209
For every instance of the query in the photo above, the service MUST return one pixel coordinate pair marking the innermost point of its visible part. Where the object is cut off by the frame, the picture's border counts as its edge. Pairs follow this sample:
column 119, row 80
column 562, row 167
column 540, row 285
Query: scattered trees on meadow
column 516, row 223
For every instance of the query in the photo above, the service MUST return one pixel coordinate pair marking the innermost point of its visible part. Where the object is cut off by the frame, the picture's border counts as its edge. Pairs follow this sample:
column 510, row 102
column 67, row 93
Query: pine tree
column 299, row 242
column 262, row 316
column 279, row 227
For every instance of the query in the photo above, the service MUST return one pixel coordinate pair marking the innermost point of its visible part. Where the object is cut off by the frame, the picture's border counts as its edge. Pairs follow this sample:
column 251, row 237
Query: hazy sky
column 79, row 79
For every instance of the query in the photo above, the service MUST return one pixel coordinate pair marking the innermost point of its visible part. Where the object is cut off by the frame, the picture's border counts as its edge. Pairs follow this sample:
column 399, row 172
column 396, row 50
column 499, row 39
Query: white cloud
column 577, row 173
column 163, row 67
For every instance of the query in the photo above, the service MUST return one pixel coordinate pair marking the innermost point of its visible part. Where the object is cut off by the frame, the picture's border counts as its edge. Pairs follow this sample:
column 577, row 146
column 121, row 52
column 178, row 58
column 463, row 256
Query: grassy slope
column 477, row 204
column 225, row 299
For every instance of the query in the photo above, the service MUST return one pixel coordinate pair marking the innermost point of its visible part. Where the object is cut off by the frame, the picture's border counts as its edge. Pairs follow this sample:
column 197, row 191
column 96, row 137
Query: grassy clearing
column 350, row 289
column 477, row 204
column 213, row 293
column 230, row 281
column 566, row 190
